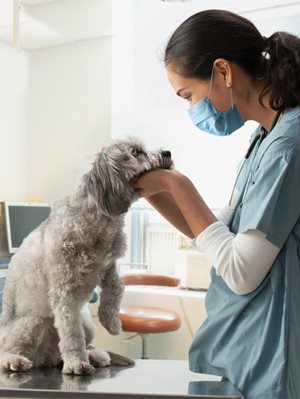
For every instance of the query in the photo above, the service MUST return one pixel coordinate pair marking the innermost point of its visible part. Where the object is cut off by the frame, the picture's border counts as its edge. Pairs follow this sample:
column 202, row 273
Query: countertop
column 159, row 379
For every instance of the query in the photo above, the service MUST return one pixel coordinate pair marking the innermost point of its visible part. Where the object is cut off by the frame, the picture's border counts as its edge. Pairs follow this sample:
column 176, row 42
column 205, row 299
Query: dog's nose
column 166, row 154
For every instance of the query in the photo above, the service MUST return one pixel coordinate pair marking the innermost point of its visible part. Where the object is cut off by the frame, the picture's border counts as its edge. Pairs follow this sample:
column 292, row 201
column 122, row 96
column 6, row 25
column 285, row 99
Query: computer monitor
column 21, row 219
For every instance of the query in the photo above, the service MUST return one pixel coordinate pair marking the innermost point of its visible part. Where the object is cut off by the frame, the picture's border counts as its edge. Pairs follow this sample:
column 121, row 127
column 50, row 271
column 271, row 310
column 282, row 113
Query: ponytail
column 281, row 70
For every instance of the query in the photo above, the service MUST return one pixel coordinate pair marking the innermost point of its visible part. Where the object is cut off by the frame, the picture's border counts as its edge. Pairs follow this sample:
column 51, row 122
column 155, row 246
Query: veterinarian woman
column 229, row 73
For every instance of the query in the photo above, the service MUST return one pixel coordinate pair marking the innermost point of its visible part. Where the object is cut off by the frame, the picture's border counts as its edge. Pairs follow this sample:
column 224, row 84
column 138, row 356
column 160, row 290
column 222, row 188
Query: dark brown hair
column 212, row 34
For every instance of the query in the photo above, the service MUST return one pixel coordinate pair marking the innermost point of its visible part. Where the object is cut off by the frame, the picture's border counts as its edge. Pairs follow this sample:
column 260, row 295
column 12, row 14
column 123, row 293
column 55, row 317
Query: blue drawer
column 3, row 269
column 4, row 262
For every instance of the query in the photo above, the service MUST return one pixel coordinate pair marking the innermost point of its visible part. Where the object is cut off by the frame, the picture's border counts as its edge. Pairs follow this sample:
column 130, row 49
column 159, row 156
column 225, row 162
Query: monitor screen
column 21, row 219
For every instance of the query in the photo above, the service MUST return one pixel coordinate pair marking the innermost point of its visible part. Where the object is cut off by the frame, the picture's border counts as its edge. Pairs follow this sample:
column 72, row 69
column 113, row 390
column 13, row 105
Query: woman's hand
column 155, row 182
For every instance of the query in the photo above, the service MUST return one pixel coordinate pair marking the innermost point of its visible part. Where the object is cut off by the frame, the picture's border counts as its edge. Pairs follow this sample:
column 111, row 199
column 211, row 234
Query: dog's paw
column 98, row 357
column 111, row 324
column 15, row 363
column 78, row 368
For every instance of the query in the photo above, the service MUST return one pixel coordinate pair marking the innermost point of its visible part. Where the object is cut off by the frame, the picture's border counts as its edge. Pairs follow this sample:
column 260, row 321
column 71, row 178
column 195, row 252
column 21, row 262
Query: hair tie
column 264, row 40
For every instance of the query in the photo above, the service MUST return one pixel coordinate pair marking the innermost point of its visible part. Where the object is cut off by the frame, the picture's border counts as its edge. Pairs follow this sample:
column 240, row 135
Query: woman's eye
column 188, row 98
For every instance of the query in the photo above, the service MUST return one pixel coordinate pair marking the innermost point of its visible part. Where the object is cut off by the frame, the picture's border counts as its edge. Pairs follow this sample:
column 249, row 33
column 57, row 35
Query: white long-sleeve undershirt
column 242, row 259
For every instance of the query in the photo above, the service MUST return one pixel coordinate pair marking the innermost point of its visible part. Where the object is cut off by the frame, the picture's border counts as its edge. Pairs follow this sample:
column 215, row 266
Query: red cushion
column 145, row 319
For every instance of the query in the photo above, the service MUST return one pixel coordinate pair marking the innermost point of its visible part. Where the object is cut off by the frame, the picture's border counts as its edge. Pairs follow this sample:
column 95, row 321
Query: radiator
column 160, row 249
column 168, row 252
column 193, row 268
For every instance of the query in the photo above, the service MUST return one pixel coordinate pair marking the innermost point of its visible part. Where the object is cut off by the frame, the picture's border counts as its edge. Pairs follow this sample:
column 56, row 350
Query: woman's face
column 190, row 89
column 194, row 90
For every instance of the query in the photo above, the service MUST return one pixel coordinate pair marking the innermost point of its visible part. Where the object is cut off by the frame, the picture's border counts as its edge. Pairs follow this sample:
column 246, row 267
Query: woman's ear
column 224, row 69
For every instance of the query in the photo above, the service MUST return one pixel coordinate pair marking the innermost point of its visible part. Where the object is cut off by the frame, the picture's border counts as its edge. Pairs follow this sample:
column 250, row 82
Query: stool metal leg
column 144, row 338
column 144, row 346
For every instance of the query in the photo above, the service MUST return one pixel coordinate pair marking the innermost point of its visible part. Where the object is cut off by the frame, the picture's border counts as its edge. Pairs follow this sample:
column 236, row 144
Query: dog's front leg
column 111, row 294
column 72, row 346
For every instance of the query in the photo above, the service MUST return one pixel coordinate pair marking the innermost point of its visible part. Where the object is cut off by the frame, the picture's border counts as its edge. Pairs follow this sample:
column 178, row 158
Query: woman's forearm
column 190, row 203
column 176, row 198
column 164, row 203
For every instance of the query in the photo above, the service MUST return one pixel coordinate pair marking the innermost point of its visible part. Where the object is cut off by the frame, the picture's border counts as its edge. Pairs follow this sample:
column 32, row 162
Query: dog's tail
column 119, row 360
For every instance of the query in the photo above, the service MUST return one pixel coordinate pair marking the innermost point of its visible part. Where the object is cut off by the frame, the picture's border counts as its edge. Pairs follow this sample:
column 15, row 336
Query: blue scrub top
column 254, row 339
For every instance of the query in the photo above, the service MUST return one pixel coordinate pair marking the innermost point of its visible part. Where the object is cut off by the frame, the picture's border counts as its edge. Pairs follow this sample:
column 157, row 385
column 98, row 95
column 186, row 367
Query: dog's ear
column 105, row 189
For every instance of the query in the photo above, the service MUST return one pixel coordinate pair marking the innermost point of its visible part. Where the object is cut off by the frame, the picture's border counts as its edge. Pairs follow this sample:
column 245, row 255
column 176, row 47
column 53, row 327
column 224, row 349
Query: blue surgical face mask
column 205, row 116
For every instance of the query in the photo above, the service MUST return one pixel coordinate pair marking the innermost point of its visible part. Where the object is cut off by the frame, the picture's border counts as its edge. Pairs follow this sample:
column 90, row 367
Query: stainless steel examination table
column 146, row 379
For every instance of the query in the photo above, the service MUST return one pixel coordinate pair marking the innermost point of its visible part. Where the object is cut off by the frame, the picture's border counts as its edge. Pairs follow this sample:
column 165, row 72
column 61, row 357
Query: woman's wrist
column 192, row 206
column 171, row 179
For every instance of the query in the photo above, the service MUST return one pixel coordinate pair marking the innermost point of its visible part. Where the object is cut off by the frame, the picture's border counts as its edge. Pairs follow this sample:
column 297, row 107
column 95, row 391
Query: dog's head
column 109, row 184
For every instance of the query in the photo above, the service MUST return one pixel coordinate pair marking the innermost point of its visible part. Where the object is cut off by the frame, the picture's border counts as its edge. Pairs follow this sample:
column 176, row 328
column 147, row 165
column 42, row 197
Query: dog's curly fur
column 44, row 320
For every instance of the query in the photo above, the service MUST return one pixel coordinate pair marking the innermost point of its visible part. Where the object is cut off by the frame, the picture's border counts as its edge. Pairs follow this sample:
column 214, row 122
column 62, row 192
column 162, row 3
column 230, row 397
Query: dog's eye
column 137, row 151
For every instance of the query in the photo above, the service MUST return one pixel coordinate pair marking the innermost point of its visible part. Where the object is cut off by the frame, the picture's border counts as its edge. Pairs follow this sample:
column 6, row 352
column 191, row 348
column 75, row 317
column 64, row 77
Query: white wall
column 69, row 113
column 13, row 122
column 55, row 103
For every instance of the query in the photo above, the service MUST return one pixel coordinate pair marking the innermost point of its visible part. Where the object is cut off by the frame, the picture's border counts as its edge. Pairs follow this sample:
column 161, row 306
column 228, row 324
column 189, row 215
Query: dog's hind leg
column 19, row 342
column 11, row 362
column 111, row 294
column 88, row 324
column 98, row 357
column 101, row 358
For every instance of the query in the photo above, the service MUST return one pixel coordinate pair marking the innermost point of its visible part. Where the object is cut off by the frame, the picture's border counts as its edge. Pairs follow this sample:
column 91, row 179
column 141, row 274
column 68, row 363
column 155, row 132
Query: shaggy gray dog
column 45, row 320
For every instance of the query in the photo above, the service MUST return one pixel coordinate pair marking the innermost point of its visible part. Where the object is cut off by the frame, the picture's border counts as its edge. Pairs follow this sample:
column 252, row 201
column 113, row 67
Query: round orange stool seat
column 146, row 319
